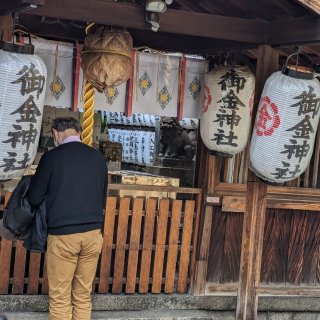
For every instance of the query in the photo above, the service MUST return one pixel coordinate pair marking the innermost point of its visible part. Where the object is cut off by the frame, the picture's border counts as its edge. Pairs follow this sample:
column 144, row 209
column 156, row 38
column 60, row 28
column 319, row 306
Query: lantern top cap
column 297, row 71
column 23, row 48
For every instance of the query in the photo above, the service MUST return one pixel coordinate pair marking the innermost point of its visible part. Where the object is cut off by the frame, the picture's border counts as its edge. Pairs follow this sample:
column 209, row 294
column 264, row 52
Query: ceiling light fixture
column 154, row 19
column 156, row 6
column 168, row 2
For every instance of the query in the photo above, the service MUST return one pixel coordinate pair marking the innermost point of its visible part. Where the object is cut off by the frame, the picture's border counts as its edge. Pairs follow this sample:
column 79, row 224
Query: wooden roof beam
column 312, row 5
column 19, row 5
column 300, row 31
column 287, row 6
column 161, row 41
column 172, row 21
column 190, row 6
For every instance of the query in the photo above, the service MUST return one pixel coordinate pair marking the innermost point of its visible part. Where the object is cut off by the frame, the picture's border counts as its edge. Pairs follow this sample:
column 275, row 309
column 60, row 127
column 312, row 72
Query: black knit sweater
column 72, row 178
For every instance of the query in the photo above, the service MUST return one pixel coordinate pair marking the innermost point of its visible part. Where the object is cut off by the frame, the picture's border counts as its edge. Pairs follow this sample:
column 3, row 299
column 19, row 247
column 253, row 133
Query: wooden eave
column 172, row 21
column 187, row 26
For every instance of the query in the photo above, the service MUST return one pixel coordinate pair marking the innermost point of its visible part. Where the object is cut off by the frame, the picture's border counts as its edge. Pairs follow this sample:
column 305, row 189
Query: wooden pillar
column 209, row 177
column 6, row 22
column 254, row 216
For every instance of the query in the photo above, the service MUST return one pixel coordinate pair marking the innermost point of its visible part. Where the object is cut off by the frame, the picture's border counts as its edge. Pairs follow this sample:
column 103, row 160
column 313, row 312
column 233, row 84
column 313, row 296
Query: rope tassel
column 88, row 115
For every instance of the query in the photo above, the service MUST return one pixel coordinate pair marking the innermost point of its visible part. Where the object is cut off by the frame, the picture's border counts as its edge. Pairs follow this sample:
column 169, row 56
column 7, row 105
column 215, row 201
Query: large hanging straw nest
column 106, row 57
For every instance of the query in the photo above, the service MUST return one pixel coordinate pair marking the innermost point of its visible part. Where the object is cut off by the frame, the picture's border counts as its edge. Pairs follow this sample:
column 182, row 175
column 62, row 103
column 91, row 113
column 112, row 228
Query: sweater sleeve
column 105, row 191
column 39, row 182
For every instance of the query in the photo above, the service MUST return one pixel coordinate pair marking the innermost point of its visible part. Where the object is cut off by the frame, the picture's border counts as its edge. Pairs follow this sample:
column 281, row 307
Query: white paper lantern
column 226, row 114
column 285, row 127
column 22, row 93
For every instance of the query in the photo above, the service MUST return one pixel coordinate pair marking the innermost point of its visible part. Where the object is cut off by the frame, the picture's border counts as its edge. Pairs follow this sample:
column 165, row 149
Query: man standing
column 72, row 180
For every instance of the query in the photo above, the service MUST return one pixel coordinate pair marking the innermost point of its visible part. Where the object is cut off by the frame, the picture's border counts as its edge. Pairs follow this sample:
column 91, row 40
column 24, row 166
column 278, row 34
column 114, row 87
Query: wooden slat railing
column 134, row 245
column 148, row 247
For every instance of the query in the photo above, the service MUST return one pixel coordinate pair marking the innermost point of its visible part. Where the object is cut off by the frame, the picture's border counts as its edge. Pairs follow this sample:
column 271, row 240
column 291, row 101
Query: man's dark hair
column 62, row 124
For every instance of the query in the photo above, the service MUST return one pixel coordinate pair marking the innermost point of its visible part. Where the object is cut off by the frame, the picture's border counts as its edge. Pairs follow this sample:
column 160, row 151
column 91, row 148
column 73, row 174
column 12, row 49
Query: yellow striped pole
column 88, row 115
column 88, row 106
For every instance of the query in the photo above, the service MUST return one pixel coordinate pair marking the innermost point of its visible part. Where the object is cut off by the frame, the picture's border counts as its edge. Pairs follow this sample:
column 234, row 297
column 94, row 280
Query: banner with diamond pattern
column 114, row 99
column 59, row 88
column 155, row 87
column 194, row 84
column 156, row 84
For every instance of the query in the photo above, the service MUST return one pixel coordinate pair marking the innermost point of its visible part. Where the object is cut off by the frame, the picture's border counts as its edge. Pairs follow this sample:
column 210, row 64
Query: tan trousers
column 71, row 267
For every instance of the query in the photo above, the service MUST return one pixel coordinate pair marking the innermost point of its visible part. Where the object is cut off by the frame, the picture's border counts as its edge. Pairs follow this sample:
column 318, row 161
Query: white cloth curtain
column 47, row 51
column 156, row 84
column 113, row 100
column 196, row 70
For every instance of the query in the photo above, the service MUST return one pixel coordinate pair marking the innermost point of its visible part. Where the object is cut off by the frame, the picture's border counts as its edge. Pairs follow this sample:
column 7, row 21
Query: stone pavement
column 171, row 315
column 167, row 307
column 134, row 315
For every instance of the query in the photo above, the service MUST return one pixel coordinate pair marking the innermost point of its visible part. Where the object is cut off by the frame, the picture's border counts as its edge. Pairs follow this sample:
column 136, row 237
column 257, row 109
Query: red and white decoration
column 285, row 128
column 22, row 94
column 226, row 111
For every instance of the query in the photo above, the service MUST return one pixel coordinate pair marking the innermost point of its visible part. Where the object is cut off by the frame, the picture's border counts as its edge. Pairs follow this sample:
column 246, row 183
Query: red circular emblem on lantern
column 267, row 118
column 207, row 99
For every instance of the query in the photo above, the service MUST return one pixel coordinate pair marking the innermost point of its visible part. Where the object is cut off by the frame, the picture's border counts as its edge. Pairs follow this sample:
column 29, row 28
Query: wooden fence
column 148, row 247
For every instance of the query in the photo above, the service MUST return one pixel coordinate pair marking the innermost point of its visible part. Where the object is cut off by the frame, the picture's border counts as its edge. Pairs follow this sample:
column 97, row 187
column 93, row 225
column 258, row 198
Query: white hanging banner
column 138, row 147
column 155, row 84
column 58, row 58
column 114, row 99
column 194, row 87
column 22, row 92
column 136, row 119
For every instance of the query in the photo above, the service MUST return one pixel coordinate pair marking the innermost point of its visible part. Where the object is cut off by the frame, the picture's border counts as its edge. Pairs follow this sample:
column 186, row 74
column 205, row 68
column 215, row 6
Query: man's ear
column 54, row 134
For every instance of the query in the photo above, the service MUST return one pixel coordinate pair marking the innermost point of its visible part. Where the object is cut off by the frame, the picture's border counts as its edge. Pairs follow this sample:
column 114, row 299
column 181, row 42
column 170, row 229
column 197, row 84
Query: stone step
column 171, row 315
column 134, row 315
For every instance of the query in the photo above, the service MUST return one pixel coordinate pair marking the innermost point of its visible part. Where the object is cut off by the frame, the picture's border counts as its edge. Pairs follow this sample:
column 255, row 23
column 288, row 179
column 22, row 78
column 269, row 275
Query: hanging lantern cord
column 88, row 106
column 298, row 48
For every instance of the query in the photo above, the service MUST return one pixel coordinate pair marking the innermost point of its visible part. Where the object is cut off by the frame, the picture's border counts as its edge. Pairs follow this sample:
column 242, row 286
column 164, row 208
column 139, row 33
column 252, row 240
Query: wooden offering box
column 139, row 178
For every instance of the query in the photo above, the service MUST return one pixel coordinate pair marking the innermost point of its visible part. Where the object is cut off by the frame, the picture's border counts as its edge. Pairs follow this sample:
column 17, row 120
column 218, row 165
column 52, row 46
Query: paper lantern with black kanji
column 285, row 126
column 226, row 113
column 22, row 93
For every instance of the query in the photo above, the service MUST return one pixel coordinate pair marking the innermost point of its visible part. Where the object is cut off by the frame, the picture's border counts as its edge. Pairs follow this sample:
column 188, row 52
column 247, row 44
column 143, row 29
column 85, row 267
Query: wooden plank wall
column 292, row 256
column 148, row 247
column 225, row 247
column 291, row 246
column 291, row 249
